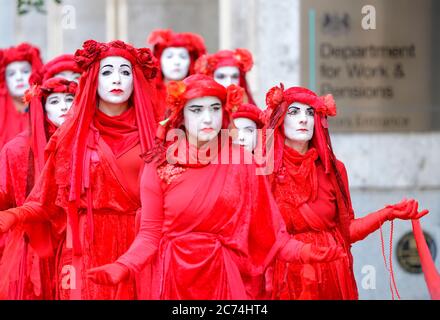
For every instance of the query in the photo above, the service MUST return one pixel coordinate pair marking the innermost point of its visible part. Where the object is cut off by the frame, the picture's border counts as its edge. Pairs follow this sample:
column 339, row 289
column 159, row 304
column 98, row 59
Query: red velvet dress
column 107, row 230
column 307, row 200
column 209, row 232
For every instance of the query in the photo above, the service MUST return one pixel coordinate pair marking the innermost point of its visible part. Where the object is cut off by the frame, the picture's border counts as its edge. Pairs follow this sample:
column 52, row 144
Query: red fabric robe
column 209, row 232
column 19, row 266
column 106, row 231
column 316, row 221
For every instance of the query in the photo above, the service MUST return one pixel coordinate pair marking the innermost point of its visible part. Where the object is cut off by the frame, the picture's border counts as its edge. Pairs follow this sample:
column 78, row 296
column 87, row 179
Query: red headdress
column 252, row 112
column 78, row 138
column 240, row 58
column 22, row 52
column 179, row 92
column 164, row 38
column 65, row 62
column 41, row 127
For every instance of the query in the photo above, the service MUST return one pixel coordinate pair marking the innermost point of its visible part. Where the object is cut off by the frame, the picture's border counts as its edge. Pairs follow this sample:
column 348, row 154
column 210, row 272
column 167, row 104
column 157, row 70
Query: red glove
column 312, row 254
column 7, row 221
column 109, row 274
column 405, row 210
column 296, row 251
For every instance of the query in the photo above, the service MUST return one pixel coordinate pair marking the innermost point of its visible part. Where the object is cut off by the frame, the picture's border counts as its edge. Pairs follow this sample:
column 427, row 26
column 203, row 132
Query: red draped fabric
column 104, row 235
column 12, row 122
column 311, row 219
column 24, row 276
column 209, row 232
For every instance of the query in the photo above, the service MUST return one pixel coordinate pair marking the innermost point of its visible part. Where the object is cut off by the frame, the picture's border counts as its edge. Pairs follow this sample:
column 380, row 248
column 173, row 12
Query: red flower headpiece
column 240, row 58
column 95, row 51
column 164, row 38
column 252, row 112
column 65, row 62
column 52, row 85
column 22, row 52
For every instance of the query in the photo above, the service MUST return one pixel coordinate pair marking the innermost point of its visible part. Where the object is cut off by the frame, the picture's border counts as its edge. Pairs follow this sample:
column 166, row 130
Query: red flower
column 175, row 90
column 148, row 63
column 328, row 107
column 244, row 57
column 275, row 97
column 30, row 93
column 234, row 98
column 89, row 54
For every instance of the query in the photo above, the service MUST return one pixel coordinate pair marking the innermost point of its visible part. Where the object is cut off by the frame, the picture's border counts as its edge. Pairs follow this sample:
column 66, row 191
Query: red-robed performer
column 22, row 275
column 177, row 54
column 228, row 67
column 209, row 226
column 89, row 187
column 16, row 66
column 311, row 188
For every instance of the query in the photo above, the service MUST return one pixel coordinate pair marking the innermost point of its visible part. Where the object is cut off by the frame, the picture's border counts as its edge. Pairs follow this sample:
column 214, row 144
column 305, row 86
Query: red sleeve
column 44, row 220
column 6, row 200
column 344, row 176
column 150, row 231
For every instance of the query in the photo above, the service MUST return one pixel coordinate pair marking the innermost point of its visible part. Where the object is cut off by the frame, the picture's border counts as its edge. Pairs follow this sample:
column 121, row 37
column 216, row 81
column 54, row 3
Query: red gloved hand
column 109, row 274
column 7, row 221
column 313, row 254
column 406, row 210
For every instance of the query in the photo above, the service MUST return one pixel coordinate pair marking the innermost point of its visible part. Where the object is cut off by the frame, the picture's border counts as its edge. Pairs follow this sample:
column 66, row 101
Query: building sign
column 407, row 254
column 375, row 58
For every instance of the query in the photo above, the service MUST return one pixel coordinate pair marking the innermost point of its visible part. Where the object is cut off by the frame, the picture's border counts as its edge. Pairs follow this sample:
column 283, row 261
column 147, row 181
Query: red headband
column 252, row 112
column 65, row 62
column 164, row 38
column 240, row 58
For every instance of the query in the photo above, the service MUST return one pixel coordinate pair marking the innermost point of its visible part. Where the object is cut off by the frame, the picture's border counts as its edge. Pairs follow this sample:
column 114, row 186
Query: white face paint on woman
column 175, row 62
column 227, row 76
column 68, row 75
column 115, row 81
column 57, row 105
column 17, row 77
column 203, row 119
column 299, row 122
column 247, row 133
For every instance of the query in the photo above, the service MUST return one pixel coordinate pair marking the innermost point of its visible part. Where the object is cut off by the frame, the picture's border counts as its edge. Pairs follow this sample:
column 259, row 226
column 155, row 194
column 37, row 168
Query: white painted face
column 247, row 133
column 203, row 118
column 115, row 81
column 68, row 75
column 17, row 77
column 299, row 122
column 175, row 62
column 227, row 76
column 57, row 105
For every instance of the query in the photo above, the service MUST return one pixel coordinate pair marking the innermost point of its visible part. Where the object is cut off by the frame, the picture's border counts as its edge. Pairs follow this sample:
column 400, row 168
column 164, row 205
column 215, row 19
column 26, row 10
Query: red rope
column 393, row 286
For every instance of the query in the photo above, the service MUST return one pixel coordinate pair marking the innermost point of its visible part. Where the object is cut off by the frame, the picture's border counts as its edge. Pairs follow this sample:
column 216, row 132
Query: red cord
column 393, row 286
